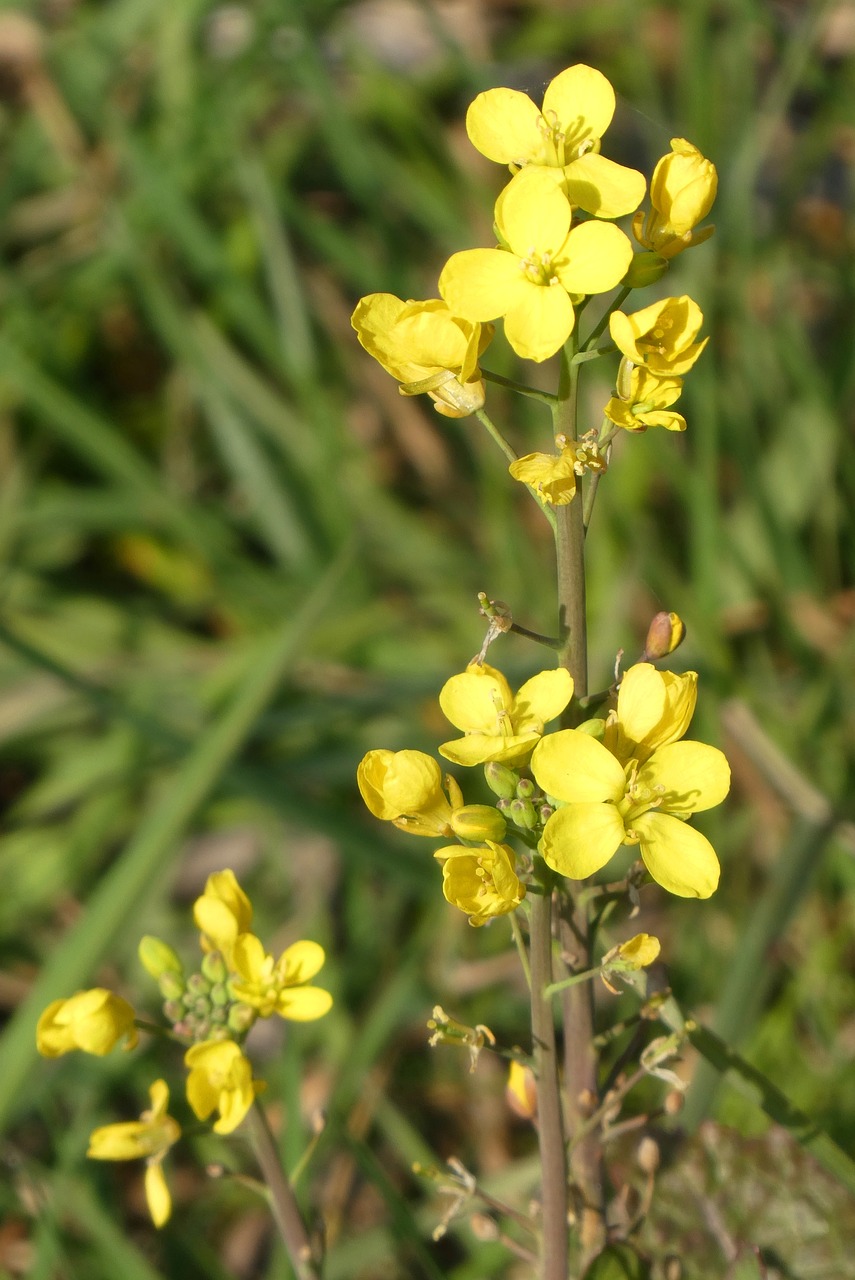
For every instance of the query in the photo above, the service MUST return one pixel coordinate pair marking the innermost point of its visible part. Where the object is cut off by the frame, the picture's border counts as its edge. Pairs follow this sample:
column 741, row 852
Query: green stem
column 550, row 1125
column 495, row 434
column 546, row 397
column 283, row 1205
column 595, row 332
column 520, row 945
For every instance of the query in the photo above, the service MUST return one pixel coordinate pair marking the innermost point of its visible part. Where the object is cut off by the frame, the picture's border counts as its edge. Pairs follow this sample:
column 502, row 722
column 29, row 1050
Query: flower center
column 539, row 268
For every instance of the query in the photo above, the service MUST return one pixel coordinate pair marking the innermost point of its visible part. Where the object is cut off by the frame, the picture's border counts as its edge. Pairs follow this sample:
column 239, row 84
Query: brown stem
column 550, row 1125
column 282, row 1202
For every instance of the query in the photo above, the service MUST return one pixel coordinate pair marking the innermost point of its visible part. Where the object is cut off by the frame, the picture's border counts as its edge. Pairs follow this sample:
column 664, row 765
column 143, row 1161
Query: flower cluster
column 575, row 796
column 208, row 1011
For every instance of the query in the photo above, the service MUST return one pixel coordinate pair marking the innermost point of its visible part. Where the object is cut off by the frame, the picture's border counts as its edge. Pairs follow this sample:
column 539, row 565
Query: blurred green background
column 234, row 559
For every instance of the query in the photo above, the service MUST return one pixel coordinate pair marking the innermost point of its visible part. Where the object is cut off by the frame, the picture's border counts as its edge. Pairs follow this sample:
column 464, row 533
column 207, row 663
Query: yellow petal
column 505, row 126
column 125, row 1141
column 664, row 418
column 397, row 782
column 583, row 101
column 303, row 1004
column 641, row 701
column 596, row 258
column 480, row 284
column 248, row 956
column 301, row 961
column 478, row 748
column 475, row 699
column 157, row 1194
column 533, row 213
column 602, row 187
column 540, row 321
column 580, row 839
column 201, row 1094
column 678, row 857
column 431, row 337
column 691, row 775
column 541, row 699
column 573, row 766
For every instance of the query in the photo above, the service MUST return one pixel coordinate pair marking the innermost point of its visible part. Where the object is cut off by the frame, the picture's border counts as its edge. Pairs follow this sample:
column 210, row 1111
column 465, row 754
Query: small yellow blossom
column 645, row 402
column 222, row 912
column 660, row 337
column 405, row 788
column 542, row 261
column 480, row 880
column 654, row 708
column 279, row 986
column 426, row 348
column 221, row 1080
column 498, row 724
column 553, row 476
column 682, row 191
column 94, row 1021
column 150, row 1138
column 521, row 1090
column 578, row 105
column 604, row 804
column 628, row 957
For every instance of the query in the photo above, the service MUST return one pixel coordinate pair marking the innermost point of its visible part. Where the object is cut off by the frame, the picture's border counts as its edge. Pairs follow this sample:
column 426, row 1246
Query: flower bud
column 523, row 814
column 158, row 957
column 214, row 967
column 173, row 1010
column 197, row 985
column 666, row 633
column 219, row 995
column 241, row 1018
column 501, row 780
column 478, row 822
column 526, row 789
column 645, row 269
column 171, row 985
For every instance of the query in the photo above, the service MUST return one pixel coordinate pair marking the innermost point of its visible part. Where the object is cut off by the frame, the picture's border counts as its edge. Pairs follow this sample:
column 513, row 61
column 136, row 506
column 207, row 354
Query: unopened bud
column 501, row 780
column 666, row 632
column 478, row 822
column 483, row 1227
column 595, row 728
column 173, row 1011
column 214, row 967
column 171, row 985
column 219, row 995
column 158, row 957
column 525, row 789
column 647, row 1155
column 523, row 814
column 219, row 1015
column 645, row 269
column 545, row 812
column 197, row 985
column 241, row 1018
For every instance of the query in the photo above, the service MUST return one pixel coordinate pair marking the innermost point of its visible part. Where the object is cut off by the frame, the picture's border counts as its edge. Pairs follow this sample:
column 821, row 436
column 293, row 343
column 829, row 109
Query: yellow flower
column 405, row 788
column 654, row 708
column 426, row 348
column 279, row 986
column 605, row 805
column 553, row 476
column 497, row 724
column 578, row 105
column 481, row 880
column 645, row 401
column 628, row 957
column 94, row 1021
column 221, row 1080
column 222, row 912
column 542, row 262
column 660, row 337
column 682, row 191
column 150, row 1138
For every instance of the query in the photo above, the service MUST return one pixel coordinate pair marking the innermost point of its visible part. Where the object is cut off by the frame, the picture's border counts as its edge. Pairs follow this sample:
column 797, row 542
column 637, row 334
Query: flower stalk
column 283, row 1205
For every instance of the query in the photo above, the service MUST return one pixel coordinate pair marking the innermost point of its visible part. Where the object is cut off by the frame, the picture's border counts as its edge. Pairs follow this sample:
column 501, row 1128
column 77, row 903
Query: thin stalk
column 283, row 1205
column 496, row 435
column 546, row 397
column 550, row 1125
column 580, row 1061
column 520, row 945
column 595, row 332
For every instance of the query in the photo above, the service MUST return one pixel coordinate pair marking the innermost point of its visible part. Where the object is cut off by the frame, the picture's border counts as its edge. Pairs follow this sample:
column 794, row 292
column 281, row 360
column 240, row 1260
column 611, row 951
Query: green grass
column 234, row 559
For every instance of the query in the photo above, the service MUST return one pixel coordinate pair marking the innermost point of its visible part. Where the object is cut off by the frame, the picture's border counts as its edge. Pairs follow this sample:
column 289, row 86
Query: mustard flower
column 541, row 262
column 221, row 1080
column 480, row 880
column 660, row 337
column 94, row 1021
column 222, row 912
column 604, row 804
column 654, row 708
column 148, row 1138
column 682, row 191
column 405, row 788
column 497, row 724
column 578, row 105
column 279, row 986
column 628, row 957
column 426, row 348
column 553, row 476
column 645, row 401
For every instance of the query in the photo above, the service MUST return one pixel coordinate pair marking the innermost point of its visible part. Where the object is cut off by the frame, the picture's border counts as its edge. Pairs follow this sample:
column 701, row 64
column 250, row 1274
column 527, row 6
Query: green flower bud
column 501, row 780
column 241, row 1018
column 214, row 967
column 525, row 789
column 645, row 269
column 523, row 813
column 197, row 985
column 220, row 995
column 219, row 1015
column 158, row 957
column 478, row 822
column 171, row 985
column 173, row 1010
column 594, row 728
